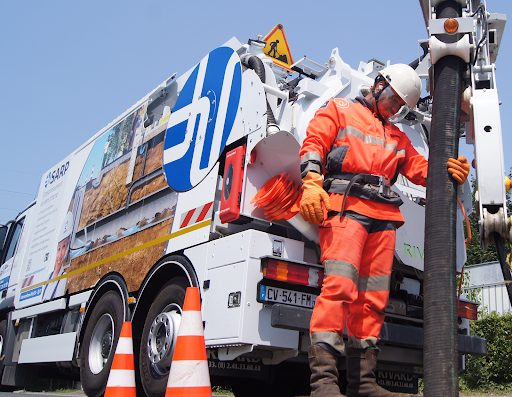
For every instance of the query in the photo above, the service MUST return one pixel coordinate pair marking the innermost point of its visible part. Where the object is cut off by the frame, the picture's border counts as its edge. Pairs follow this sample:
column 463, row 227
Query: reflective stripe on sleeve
column 311, row 167
column 311, row 156
column 311, row 161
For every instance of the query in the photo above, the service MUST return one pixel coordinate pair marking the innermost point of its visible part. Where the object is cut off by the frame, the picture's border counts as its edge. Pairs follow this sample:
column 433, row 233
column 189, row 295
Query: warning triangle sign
column 277, row 48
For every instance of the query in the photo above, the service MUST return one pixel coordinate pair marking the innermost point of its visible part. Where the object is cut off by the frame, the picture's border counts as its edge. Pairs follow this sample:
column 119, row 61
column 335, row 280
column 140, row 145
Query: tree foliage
column 491, row 372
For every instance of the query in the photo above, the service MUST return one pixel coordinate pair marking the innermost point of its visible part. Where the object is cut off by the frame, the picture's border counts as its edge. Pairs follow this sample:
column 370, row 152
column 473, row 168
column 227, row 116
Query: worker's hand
column 459, row 169
column 312, row 196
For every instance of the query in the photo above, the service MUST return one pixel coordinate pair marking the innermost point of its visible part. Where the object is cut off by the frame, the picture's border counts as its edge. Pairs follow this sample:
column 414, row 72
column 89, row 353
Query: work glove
column 313, row 194
column 459, row 169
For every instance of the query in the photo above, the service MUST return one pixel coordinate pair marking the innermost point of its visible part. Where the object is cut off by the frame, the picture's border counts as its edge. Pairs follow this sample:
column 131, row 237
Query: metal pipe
column 424, row 10
column 483, row 69
column 274, row 91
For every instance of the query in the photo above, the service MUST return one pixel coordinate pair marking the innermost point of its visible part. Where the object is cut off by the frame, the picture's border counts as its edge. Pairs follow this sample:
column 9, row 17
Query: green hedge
column 494, row 371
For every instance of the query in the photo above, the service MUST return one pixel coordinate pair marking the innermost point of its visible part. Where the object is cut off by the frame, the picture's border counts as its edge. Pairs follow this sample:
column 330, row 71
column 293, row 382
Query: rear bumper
column 298, row 318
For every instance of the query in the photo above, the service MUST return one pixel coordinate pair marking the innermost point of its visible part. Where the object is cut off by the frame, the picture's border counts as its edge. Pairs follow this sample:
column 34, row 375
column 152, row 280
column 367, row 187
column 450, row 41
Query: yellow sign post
column 277, row 48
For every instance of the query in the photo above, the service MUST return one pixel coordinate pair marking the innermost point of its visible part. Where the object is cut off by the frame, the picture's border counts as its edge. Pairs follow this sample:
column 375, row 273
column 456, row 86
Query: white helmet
column 404, row 81
column 67, row 227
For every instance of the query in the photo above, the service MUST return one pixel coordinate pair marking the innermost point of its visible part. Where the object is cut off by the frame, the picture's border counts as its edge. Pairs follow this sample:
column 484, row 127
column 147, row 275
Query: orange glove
column 459, row 169
column 313, row 194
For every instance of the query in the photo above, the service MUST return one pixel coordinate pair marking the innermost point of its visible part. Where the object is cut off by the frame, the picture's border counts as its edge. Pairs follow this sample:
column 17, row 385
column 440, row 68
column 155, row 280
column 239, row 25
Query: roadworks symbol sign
column 277, row 48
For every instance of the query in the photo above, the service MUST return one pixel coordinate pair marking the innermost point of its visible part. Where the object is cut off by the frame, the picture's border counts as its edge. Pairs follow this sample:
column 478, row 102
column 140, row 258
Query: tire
column 99, row 343
column 159, row 336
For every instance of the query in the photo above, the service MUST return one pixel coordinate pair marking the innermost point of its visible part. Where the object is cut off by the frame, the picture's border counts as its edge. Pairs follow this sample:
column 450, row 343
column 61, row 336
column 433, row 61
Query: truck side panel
column 231, row 311
column 119, row 208
column 48, row 215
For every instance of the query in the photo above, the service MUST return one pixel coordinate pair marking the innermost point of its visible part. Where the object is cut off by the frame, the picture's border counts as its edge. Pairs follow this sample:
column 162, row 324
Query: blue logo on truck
column 202, row 119
column 4, row 283
column 59, row 172
column 31, row 294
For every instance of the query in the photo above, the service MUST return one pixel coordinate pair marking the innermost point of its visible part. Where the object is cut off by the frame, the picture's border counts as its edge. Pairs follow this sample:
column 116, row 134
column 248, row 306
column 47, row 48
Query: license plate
column 396, row 381
column 286, row 296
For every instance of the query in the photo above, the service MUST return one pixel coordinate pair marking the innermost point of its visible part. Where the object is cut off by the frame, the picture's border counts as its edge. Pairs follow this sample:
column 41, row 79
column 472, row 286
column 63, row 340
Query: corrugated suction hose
column 255, row 63
column 440, row 339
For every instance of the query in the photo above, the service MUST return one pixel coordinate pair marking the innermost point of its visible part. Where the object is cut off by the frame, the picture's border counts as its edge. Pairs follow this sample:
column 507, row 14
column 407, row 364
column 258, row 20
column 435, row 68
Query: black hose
column 440, row 339
column 505, row 268
column 255, row 63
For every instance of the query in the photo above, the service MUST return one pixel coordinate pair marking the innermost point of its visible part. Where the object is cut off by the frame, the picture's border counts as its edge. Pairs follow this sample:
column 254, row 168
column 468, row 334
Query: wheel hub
column 106, row 344
column 162, row 338
column 101, row 343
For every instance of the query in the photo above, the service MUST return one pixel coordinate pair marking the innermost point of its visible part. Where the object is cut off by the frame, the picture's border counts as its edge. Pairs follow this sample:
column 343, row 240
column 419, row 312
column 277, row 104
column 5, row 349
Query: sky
column 68, row 68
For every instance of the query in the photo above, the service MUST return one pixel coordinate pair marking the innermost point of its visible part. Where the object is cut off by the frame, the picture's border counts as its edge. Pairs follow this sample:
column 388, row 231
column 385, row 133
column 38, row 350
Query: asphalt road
column 55, row 394
column 20, row 393
column 32, row 394
column 81, row 394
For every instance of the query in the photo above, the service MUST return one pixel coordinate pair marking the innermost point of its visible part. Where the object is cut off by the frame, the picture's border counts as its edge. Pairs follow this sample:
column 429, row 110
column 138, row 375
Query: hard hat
column 404, row 81
column 67, row 227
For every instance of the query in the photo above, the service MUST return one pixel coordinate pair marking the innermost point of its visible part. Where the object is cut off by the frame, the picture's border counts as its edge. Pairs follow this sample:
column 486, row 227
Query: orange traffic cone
column 121, row 380
column 189, row 374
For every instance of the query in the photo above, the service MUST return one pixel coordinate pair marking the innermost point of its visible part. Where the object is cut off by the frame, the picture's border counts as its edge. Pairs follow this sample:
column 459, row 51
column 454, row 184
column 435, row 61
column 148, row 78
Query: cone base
column 121, row 392
column 204, row 391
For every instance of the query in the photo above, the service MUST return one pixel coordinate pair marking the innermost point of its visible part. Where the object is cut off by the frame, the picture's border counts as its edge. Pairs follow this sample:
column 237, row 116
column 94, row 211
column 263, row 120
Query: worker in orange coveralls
column 355, row 145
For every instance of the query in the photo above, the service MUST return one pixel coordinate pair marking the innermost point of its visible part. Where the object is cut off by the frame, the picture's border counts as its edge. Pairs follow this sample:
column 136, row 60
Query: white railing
column 492, row 297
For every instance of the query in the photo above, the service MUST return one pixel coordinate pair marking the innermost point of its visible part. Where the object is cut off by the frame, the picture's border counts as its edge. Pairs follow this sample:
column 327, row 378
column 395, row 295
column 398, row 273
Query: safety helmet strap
column 376, row 95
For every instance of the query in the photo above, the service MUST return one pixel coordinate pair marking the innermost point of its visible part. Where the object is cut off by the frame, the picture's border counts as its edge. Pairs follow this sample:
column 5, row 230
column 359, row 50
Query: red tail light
column 468, row 310
column 293, row 273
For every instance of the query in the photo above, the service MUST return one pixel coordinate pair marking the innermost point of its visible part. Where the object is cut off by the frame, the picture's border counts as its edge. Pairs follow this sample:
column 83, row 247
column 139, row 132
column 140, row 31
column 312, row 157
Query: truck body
column 162, row 199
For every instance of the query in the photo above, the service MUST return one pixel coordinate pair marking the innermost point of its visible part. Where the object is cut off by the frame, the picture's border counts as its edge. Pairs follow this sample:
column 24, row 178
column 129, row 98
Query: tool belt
column 370, row 187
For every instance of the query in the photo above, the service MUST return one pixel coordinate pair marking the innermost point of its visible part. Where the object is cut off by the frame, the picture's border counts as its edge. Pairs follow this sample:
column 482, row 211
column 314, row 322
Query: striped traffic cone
column 121, row 380
column 189, row 368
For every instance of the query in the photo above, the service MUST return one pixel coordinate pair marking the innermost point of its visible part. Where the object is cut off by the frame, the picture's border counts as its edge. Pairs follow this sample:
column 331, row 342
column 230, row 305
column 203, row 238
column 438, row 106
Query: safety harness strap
column 365, row 186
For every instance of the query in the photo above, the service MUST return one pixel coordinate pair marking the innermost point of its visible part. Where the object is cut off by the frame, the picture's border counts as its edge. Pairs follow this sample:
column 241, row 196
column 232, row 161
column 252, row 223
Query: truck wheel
column 159, row 336
column 99, row 344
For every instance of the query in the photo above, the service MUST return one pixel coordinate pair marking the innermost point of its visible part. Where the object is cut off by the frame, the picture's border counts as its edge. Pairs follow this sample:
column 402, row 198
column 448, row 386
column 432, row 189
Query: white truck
column 163, row 198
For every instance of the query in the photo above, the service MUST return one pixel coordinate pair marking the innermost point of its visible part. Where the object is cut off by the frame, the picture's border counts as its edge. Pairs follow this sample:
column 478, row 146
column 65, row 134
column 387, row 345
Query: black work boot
column 324, row 374
column 361, row 364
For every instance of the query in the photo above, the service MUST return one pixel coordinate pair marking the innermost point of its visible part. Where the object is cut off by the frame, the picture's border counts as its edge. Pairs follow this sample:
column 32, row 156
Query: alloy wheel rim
column 101, row 343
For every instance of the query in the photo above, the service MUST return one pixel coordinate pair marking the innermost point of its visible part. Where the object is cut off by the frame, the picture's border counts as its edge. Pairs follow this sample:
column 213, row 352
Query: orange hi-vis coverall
column 346, row 138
